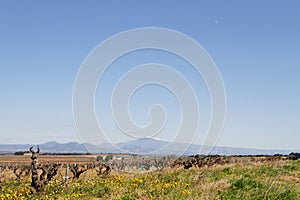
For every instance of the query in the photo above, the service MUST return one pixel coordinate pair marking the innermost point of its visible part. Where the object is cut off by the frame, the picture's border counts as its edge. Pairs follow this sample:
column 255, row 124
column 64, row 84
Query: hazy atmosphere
column 255, row 46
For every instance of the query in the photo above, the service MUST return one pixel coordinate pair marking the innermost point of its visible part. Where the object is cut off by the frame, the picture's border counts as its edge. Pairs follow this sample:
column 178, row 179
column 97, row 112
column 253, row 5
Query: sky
column 254, row 44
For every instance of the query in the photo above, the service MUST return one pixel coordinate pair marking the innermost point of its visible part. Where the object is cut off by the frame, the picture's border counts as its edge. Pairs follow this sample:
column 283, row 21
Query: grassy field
column 270, row 180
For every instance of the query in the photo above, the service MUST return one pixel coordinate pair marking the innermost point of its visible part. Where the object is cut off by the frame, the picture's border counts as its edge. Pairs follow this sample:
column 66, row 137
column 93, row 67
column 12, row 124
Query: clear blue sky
column 255, row 44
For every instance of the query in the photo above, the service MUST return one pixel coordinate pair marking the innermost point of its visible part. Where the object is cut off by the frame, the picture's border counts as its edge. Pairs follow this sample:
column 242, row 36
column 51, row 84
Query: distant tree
column 19, row 153
column 99, row 158
column 108, row 157
column 294, row 156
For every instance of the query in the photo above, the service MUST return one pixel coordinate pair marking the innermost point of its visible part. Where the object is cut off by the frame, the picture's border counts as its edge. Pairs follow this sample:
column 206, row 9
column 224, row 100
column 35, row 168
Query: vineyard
column 196, row 177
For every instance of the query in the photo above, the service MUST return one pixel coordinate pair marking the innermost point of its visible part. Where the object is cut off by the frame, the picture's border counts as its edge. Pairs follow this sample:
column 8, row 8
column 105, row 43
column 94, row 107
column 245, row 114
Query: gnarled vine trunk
column 36, row 185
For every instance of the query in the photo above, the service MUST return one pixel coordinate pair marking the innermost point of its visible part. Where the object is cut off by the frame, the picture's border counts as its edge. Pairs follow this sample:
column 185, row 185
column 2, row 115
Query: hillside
column 139, row 146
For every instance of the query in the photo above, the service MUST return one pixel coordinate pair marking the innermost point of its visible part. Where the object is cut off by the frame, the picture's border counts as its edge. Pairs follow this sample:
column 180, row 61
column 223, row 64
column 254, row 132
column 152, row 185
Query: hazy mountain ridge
column 139, row 146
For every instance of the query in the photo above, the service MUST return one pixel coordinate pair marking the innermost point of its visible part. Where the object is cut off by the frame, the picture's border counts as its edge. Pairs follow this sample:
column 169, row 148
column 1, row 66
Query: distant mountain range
column 139, row 146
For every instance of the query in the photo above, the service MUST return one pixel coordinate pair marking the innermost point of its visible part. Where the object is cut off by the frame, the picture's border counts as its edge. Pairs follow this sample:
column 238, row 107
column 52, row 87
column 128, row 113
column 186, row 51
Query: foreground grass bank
column 272, row 180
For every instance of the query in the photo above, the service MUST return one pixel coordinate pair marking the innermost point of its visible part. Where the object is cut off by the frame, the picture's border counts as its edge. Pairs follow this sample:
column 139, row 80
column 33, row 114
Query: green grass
column 278, row 180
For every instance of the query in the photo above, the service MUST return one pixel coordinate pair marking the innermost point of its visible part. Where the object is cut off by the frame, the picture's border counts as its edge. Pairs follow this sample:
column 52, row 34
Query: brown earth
column 48, row 158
